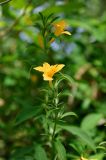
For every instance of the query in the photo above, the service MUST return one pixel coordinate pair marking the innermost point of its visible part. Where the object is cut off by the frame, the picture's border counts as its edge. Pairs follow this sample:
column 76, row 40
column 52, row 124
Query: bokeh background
column 84, row 56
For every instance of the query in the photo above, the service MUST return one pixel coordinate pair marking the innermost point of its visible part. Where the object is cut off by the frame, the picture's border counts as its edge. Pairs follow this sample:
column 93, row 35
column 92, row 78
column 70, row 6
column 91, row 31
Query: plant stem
column 53, row 135
column 55, row 122
column 54, row 129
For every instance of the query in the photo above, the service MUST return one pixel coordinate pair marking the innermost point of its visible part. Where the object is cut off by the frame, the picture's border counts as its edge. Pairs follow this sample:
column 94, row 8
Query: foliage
column 29, row 129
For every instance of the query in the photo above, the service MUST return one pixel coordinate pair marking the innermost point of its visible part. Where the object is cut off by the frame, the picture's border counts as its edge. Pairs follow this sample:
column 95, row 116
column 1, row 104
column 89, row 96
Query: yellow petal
column 59, row 67
column 58, row 31
column 46, row 66
column 40, row 69
column 59, row 28
column 66, row 32
column 62, row 24
column 47, row 78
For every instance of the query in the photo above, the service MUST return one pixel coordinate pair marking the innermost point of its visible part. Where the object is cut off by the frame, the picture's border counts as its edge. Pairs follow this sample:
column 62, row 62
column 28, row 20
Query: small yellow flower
column 59, row 28
column 49, row 70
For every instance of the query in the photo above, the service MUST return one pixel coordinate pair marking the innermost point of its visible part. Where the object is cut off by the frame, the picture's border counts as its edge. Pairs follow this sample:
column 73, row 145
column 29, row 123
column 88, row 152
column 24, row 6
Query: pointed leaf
column 27, row 113
column 68, row 114
column 61, row 152
column 68, row 78
column 90, row 121
column 81, row 134
column 40, row 153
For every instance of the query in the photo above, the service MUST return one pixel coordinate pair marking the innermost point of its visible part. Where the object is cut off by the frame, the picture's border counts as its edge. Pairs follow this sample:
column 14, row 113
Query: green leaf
column 86, row 103
column 42, row 17
column 27, row 113
column 68, row 114
column 50, row 16
column 20, row 152
column 78, row 148
column 61, row 152
column 98, row 156
column 40, row 153
column 90, row 121
column 66, row 77
column 54, row 19
column 81, row 134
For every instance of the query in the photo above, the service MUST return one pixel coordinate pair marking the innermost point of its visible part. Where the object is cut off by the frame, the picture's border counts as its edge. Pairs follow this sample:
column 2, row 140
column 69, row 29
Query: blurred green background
column 84, row 56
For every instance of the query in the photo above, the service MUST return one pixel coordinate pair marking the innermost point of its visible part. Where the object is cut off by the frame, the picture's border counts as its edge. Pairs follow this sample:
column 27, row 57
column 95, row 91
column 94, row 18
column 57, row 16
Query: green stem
column 53, row 135
column 54, row 129
column 55, row 122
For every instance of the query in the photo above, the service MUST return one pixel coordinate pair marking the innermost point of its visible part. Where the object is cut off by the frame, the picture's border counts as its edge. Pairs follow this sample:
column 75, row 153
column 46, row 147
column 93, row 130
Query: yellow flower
column 59, row 28
column 49, row 70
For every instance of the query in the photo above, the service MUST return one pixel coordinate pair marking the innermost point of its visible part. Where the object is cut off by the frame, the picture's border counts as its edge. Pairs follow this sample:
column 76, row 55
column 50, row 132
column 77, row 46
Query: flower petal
column 59, row 67
column 40, row 69
column 46, row 66
column 47, row 78
column 66, row 32
column 62, row 24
